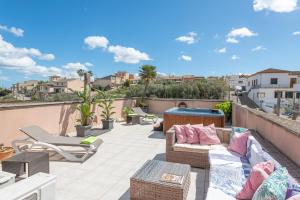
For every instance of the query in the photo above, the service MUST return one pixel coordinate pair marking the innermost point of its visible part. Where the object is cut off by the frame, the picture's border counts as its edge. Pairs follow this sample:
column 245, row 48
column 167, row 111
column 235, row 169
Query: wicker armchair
column 195, row 159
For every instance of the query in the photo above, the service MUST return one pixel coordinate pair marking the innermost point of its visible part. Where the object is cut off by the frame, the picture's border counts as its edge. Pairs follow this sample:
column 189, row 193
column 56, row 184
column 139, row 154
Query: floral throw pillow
column 274, row 187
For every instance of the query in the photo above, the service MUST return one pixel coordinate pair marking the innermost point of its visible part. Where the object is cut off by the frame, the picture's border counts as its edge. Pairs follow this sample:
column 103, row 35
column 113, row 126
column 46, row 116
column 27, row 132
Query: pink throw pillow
column 238, row 143
column 296, row 197
column 192, row 136
column 180, row 134
column 259, row 173
column 208, row 135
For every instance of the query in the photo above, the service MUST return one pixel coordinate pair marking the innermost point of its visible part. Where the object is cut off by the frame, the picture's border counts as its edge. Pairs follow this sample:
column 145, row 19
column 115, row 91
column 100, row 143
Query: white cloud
column 232, row 40
column 72, row 68
column 96, row 42
column 296, row 33
column 222, row 50
column 239, row 33
column 281, row 6
column 88, row 64
column 75, row 66
column 127, row 54
column 21, row 59
column 190, row 38
column 235, row 57
column 259, row 48
column 185, row 58
column 16, row 31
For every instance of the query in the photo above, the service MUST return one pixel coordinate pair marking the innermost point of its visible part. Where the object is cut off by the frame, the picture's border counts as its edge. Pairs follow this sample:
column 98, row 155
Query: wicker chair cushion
column 181, row 136
column 208, row 135
column 197, row 148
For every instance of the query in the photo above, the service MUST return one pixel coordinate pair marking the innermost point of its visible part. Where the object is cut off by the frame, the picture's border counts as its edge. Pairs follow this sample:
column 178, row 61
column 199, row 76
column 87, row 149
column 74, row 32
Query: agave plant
column 106, row 103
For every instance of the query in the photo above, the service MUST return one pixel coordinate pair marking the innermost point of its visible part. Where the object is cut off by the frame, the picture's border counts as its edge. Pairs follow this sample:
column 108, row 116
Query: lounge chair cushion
column 197, row 148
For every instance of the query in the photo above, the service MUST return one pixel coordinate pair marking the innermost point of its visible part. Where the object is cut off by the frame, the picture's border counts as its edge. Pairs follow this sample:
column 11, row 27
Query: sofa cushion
column 296, row 197
column 274, row 187
column 226, row 180
column 259, row 173
column 293, row 188
column 197, row 148
column 238, row 143
column 180, row 134
column 225, row 158
column 207, row 135
column 192, row 136
column 254, row 151
column 236, row 130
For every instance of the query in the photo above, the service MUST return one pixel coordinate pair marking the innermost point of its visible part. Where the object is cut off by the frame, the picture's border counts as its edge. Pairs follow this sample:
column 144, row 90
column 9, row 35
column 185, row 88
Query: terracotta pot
column 6, row 153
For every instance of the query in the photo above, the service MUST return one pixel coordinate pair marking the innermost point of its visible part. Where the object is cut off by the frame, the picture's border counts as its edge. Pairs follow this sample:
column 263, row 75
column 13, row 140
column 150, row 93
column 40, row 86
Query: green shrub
column 226, row 107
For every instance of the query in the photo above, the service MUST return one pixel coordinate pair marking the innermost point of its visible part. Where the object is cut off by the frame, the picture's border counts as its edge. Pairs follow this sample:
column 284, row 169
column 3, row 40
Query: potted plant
column 226, row 107
column 84, row 108
column 5, row 152
column 106, row 103
column 127, row 111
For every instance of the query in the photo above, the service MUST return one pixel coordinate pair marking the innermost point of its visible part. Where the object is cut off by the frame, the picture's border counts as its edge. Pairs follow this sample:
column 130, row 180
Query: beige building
column 114, row 80
column 57, row 84
column 26, row 87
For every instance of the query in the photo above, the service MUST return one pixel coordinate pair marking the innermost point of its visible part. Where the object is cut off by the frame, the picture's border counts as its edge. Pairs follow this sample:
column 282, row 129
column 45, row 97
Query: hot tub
column 193, row 116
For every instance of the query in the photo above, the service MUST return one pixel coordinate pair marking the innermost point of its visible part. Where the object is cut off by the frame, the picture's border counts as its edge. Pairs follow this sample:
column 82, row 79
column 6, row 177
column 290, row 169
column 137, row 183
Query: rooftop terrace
column 107, row 173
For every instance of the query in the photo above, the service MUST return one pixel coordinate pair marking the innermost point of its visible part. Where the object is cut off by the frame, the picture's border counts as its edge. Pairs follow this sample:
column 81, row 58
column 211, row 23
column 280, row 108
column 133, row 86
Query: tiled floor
column 106, row 174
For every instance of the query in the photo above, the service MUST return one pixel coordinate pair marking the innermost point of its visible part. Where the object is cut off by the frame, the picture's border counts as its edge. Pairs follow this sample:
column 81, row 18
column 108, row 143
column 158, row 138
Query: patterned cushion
column 180, row 134
column 237, row 130
column 259, row 173
column 293, row 188
column 274, row 187
column 227, row 180
column 238, row 143
column 254, row 151
column 207, row 135
column 192, row 136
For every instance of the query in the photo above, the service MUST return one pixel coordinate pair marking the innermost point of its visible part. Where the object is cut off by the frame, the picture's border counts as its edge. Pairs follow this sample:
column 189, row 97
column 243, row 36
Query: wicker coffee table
column 146, row 182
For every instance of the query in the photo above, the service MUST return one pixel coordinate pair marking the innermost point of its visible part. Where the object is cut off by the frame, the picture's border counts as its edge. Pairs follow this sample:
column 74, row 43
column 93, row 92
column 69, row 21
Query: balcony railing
column 271, row 86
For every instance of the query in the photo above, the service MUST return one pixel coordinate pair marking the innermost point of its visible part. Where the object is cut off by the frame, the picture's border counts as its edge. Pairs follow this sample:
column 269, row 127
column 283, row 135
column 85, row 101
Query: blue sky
column 212, row 37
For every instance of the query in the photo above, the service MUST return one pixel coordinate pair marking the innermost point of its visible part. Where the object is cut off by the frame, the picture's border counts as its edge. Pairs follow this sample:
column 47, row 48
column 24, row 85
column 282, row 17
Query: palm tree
column 147, row 74
column 80, row 73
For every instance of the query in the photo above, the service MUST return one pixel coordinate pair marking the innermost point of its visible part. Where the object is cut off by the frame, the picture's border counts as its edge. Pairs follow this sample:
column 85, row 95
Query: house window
column 240, row 82
column 274, row 81
column 289, row 95
column 248, row 83
column 298, row 95
column 276, row 93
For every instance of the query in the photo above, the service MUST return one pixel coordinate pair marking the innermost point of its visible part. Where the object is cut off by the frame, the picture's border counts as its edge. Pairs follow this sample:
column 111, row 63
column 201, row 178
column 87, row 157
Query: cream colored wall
column 158, row 105
column 283, row 137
